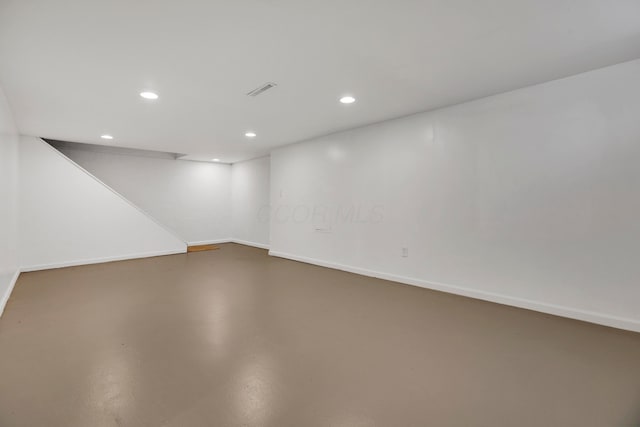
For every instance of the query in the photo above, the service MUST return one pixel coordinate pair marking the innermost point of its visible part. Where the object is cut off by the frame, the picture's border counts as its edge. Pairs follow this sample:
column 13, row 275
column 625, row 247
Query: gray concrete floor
column 234, row 337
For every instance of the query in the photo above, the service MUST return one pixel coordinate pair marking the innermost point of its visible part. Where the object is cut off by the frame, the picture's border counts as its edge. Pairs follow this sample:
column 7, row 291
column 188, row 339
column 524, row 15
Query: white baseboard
column 101, row 260
column 557, row 310
column 248, row 243
column 135, row 256
column 209, row 242
column 5, row 298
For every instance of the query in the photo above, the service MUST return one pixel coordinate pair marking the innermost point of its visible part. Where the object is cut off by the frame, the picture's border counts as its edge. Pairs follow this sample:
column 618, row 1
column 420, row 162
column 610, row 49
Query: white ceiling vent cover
column 261, row 89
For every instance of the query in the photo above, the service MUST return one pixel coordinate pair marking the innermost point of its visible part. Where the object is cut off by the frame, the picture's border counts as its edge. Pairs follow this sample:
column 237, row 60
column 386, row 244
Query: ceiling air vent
column 261, row 89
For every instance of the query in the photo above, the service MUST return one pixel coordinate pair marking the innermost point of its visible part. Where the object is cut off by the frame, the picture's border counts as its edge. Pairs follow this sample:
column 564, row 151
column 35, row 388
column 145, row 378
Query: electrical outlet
column 405, row 252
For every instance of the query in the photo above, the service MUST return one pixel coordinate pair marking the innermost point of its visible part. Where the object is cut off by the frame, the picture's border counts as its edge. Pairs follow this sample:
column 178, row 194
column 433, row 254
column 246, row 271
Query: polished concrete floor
column 234, row 337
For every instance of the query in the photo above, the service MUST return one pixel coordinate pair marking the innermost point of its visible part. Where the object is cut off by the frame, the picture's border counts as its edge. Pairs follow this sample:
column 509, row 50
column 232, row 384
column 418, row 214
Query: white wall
column 191, row 198
column 250, row 182
column 529, row 198
column 8, row 201
column 67, row 217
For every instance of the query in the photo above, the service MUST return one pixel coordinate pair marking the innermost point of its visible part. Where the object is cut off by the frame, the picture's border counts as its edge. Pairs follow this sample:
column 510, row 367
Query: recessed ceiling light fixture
column 105, row 136
column 215, row 160
column 250, row 134
column 261, row 89
column 149, row 95
column 348, row 99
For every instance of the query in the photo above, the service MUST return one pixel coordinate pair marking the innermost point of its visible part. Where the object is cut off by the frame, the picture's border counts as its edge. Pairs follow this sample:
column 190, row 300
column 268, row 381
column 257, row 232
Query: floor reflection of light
column 216, row 311
column 254, row 392
column 110, row 389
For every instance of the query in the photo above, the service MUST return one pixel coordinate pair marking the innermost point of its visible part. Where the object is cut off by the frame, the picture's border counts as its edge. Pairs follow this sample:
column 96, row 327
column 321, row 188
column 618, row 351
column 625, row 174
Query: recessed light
column 250, row 134
column 215, row 160
column 347, row 99
column 149, row 95
column 106, row 137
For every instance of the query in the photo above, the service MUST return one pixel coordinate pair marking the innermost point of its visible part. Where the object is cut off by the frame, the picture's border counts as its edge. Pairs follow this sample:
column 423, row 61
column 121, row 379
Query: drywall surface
column 250, row 201
column 8, row 201
column 527, row 198
column 191, row 198
column 67, row 217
